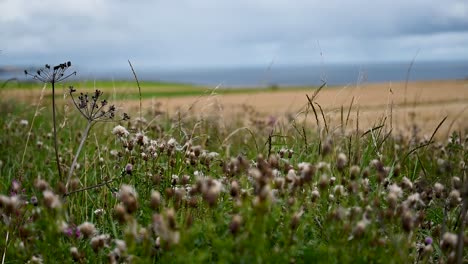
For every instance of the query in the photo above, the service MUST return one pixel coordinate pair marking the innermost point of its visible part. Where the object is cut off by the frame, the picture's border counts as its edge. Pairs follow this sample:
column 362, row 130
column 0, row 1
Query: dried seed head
column 454, row 198
column 359, row 229
column 324, row 181
column 74, row 184
column 99, row 242
column 128, row 197
column 449, row 241
column 51, row 200
column 235, row 189
column 406, row 183
column 341, row 161
column 438, row 189
column 155, row 201
column 171, row 219
column 235, row 224
column 120, row 131
column 354, row 172
column 456, row 183
column 295, row 220
column 279, row 183
column 87, row 229
column 407, row 221
column 315, row 195
column 120, row 213
column 75, row 254
column 41, row 185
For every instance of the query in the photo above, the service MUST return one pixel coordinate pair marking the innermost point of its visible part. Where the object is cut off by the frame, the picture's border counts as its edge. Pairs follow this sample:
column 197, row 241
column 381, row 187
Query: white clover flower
column 120, row 131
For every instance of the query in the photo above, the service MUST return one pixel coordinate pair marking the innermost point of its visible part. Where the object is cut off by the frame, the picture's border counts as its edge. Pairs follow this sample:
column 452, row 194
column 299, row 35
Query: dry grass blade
column 138, row 84
column 237, row 131
column 349, row 111
column 372, row 129
column 428, row 143
column 323, row 116
column 315, row 112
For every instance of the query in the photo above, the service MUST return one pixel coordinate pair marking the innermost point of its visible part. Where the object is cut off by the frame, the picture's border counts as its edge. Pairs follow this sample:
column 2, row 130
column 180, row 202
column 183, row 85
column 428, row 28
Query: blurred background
column 239, row 43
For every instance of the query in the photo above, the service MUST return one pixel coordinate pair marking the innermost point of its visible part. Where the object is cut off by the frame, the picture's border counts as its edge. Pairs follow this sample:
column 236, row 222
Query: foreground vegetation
column 177, row 187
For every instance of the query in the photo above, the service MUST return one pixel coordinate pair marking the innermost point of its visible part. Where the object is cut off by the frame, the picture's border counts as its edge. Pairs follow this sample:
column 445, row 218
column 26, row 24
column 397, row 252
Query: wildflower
column 456, row 183
column 120, row 213
column 235, row 224
column 413, row 200
column 406, row 183
column 36, row 260
column 121, row 245
column 454, row 198
column 75, row 254
column 396, row 190
column 449, row 240
column 99, row 212
column 438, row 189
column 24, row 122
column 315, row 194
column 339, row 190
column 171, row 143
column 99, row 242
column 129, row 169
column 51, row 200
column 155, row 201
column 34, row 201
column 341, row 161
column 41, row 185
column 128, row 197
column 360, row 227
column 407, row 221
column 295, row 220
column 428, row 240
column 307, row 171
column 87, row 229
column 141, row 139
column 354, row 172
column 235, row 189
column 120, row 131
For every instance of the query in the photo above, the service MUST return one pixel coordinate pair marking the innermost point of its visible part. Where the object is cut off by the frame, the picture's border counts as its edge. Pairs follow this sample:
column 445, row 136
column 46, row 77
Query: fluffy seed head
column 51, row 200
column 87, row 229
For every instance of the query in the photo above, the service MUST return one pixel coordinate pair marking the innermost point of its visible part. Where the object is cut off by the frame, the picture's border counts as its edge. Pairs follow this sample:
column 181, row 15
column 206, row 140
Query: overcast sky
column 215, row 33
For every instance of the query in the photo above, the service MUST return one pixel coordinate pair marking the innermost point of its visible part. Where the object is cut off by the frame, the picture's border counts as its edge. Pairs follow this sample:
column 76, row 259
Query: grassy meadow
column 175, row 185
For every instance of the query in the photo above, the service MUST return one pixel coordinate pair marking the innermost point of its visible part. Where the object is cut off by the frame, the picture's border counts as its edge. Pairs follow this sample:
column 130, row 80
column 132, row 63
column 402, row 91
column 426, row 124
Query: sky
column 219, row 33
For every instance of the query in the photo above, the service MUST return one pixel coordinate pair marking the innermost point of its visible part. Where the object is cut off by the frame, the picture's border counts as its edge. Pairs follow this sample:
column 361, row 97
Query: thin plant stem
column 80, row 147
column 36, row 113
column 6, row 245
column 55, row 131
column 91, row 187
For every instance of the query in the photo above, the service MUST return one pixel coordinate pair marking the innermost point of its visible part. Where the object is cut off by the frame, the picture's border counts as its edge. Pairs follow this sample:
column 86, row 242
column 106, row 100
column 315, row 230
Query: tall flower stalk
column 93, row 110
column 53, row 75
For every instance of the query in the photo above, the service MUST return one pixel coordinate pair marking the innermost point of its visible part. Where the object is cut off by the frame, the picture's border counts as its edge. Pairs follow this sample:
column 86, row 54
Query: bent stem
column 80, row 147
column 55, row 131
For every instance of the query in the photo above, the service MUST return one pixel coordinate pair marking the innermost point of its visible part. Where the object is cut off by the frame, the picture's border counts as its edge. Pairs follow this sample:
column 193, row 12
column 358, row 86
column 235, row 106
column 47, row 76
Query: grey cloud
column 209, row 32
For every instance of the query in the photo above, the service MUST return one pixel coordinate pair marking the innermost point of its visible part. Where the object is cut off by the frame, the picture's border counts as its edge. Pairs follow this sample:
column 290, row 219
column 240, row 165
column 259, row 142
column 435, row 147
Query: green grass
column 291, row 205
column 126, row 89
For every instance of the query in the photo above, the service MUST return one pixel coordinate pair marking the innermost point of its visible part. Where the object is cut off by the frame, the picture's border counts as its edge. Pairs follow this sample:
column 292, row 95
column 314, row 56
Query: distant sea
column 332, row 74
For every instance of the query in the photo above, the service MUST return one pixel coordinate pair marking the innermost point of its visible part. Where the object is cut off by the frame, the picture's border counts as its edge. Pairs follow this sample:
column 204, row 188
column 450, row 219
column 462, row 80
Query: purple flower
column 68, row 231
column 428, row 240
column 129, row 169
